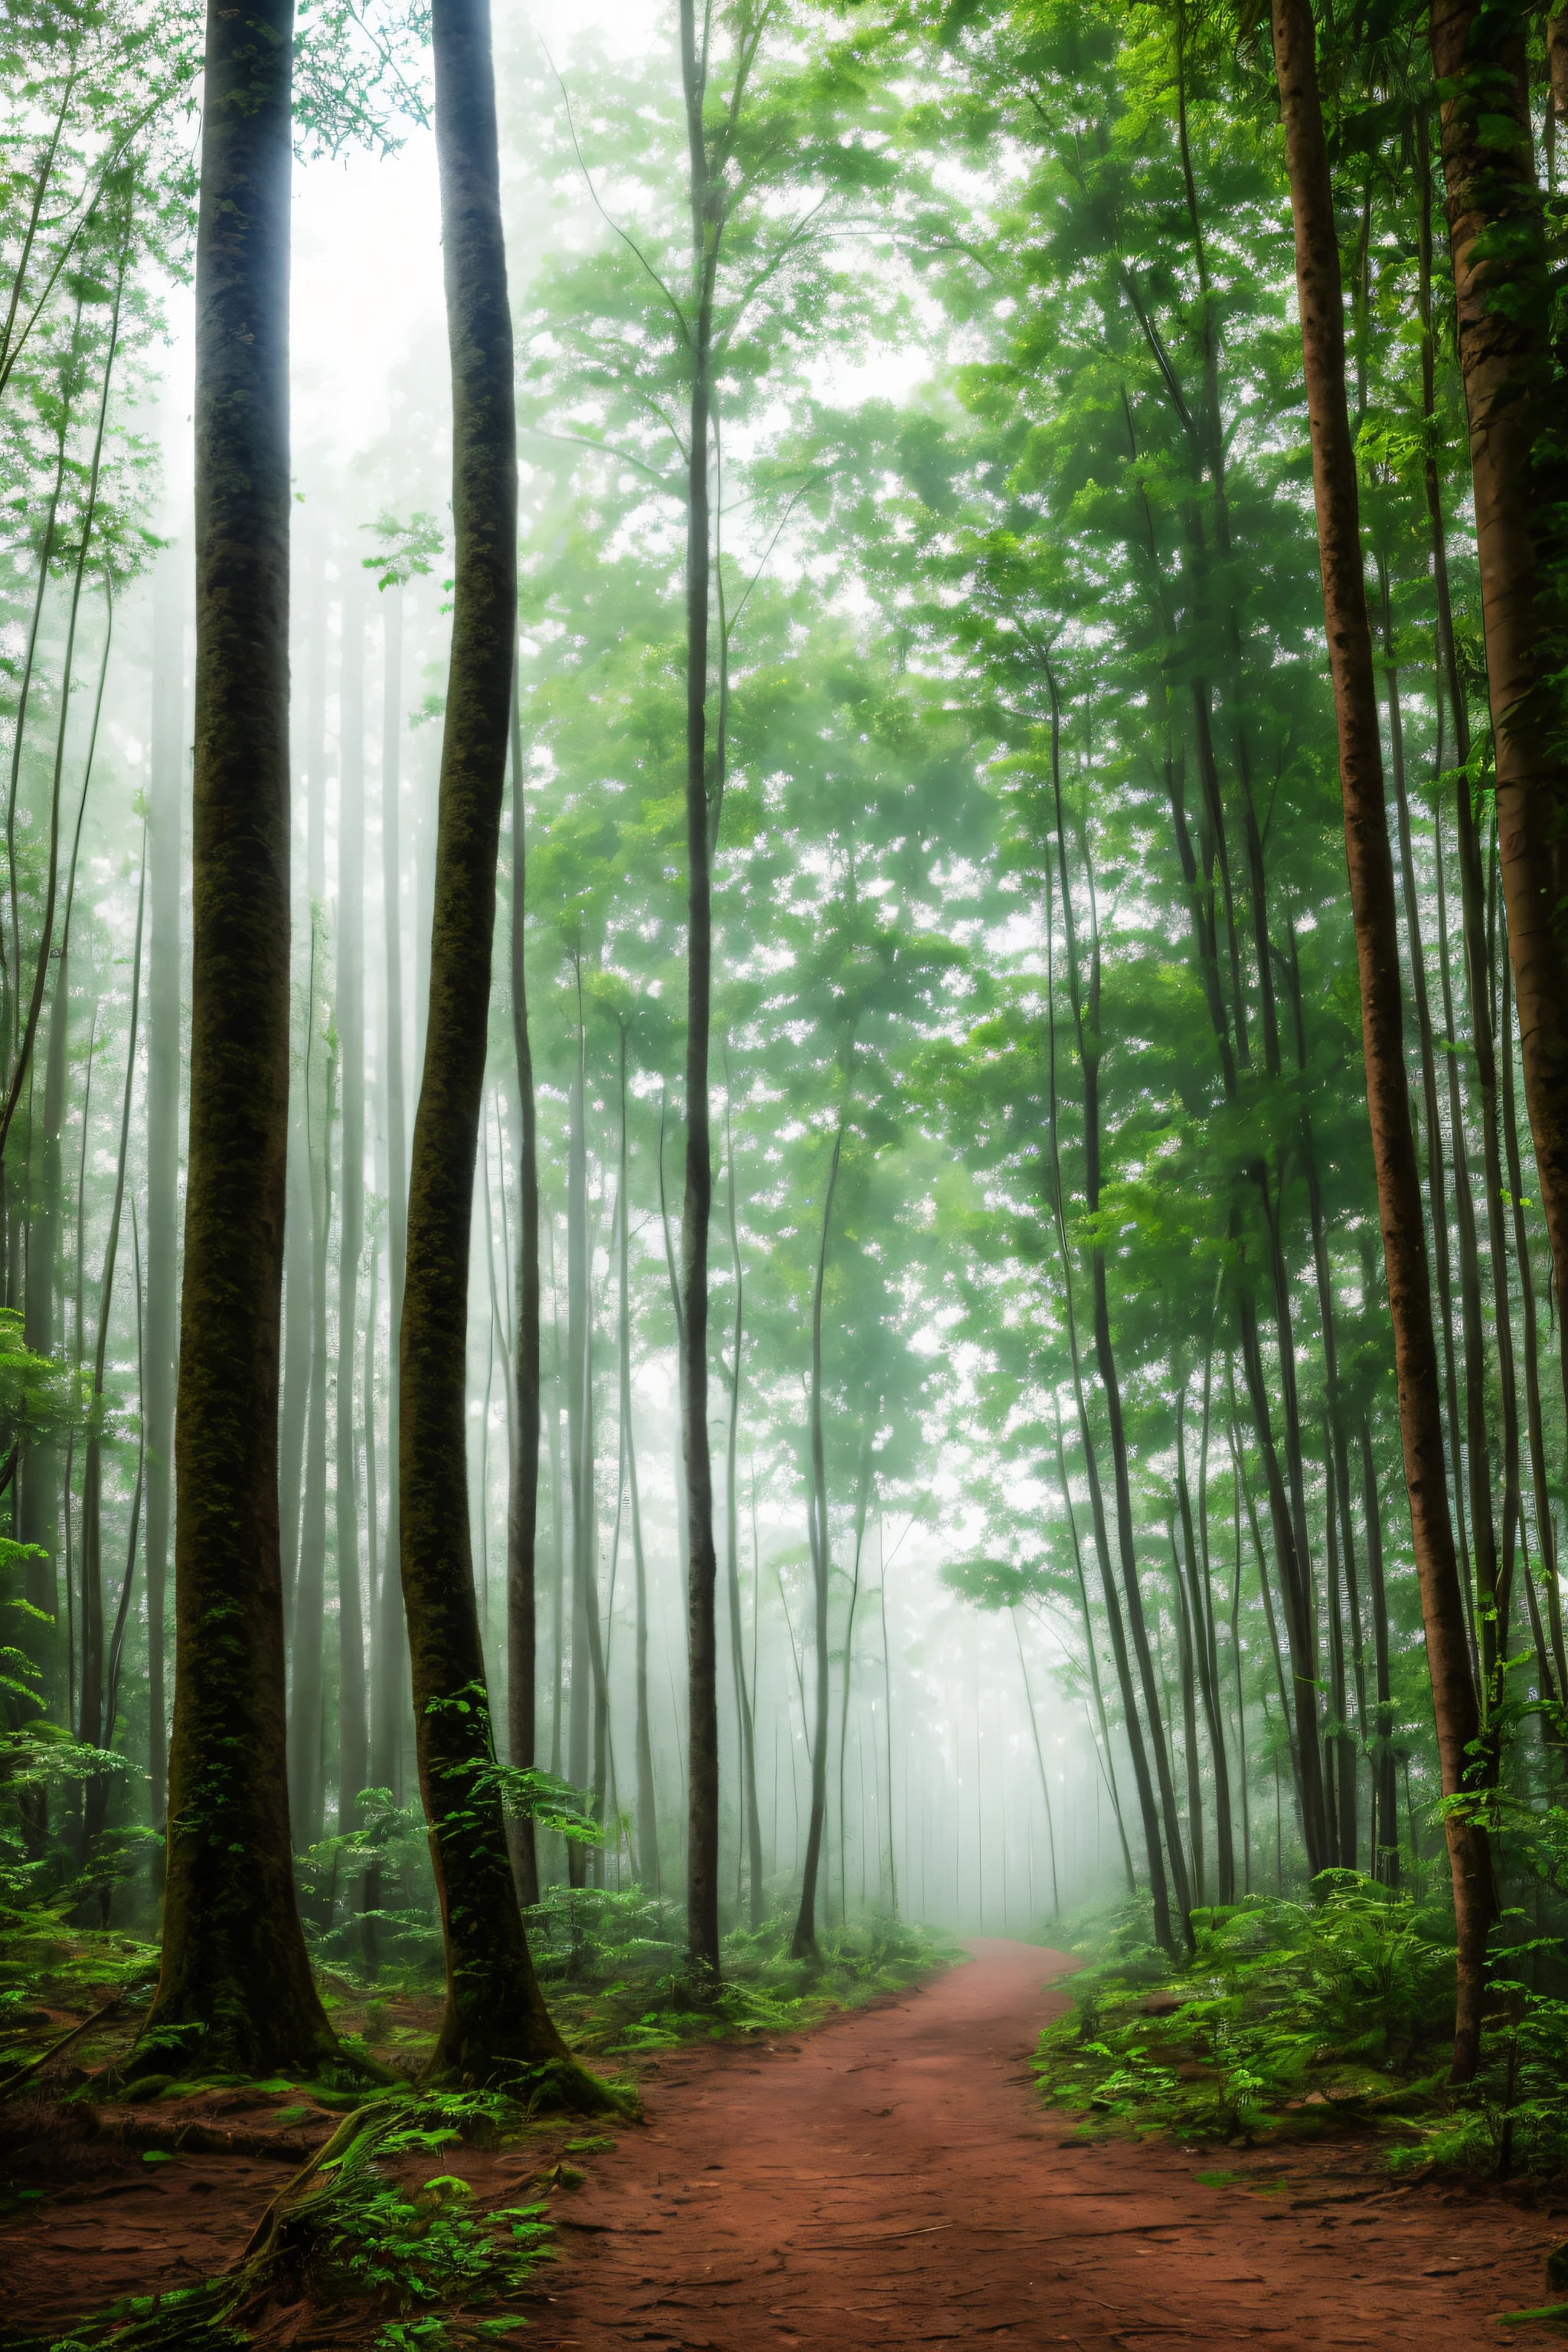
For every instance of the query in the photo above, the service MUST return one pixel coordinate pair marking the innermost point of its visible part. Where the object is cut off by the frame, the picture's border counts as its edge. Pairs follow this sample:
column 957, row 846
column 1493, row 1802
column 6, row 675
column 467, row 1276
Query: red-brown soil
column 891, row 2179
column 887, row 2179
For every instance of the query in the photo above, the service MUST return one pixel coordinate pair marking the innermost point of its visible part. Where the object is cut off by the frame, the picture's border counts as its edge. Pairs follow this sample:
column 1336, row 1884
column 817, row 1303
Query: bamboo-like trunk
column 22, row 1056
column 862, row 1500
column 1159, row 1885
column 1378, row 956
column 353, row 1743
column 1040, row 1765
column 743, row 1694
column 99, row 1674
column 1187, row 1675
column 804, row 1941
column 887, row 1715
column 1385, row 1810
column 1085, row 1004
column 587, row 1658
column 234, row 1958
column 1101, row 1721
column 702, row 1566
column 370, row 1899
column 297, row 1331
column 389, row 1682
column 522, row 1506
column 162, row 1118
column 1206, row 1672
column 648, row 1869
column 307, row 1630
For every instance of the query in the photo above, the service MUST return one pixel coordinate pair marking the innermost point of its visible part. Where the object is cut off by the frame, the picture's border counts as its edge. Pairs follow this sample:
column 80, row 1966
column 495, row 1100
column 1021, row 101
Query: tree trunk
column 495, row 2020
column 803, row 1944
column 743, row 1695
column 1545, row 1530
column 370, row 1898
column 235, row 1972
column 1501, row 304
column 1207, row 1670
column 36, row 1504
column 1101, row 1721
column 703, row 1566
column 1378, row 956
column 646, row 1801
column 162, row 1117
column 862, row 1500
column 1159, row 1886
column 389, row 1682
column 584, row 1768
column 297, row 1331
column 522, row 1507
column 307, row 1629
column 1110, row 1387
column 1386, row 1811
column 354, row 1752
column 99, row 1674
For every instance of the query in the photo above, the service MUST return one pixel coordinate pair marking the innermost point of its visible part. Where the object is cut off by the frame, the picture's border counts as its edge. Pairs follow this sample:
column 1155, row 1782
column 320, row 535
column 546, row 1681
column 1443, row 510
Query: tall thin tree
column 495, row 2020
column 1371, row 864
column 235, row 1988
column 706, row 194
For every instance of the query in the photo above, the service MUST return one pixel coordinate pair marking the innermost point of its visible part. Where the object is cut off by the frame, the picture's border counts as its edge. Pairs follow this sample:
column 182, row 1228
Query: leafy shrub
column 1338, row 1996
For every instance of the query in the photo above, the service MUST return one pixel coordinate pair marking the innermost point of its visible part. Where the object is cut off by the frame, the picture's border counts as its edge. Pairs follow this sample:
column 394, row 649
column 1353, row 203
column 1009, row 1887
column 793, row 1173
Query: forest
column 784, row 1169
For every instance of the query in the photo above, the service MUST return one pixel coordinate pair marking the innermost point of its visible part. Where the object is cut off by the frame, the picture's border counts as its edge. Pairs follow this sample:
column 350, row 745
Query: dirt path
column 893, row 2180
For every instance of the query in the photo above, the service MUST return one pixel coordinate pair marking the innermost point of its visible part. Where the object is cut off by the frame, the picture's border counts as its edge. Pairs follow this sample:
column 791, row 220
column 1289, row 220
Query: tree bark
column 1496, row 237
column 803, row 1944
column 1385, row 1810
column 354, row 1750
column 495, row 2020
column 235, row 1973
column 389, row 1684
column 646, row 1800
column 99, row 1674
column 743, row 1696
column 522, row 1506
column 307, row 1627
column 1159, row 1885
column 702, row 1565
column 162, row 1117
column 1377, row 958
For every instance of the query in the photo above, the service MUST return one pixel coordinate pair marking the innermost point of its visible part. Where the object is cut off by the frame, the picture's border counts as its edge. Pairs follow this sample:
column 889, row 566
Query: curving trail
column 891, row 2179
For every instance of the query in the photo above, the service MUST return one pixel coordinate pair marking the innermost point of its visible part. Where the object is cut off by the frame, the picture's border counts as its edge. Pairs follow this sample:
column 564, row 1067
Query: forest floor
column 891, row 2179
column 888, row 2179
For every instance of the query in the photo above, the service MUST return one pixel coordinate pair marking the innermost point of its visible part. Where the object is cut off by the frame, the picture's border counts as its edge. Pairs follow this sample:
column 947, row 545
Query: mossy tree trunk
column 1501, row 311
column 495, row 2019
column 236, row 1979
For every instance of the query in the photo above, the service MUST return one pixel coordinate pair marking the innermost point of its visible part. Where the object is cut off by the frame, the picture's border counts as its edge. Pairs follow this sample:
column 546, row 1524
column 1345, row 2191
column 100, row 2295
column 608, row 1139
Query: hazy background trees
column 1049, row 1348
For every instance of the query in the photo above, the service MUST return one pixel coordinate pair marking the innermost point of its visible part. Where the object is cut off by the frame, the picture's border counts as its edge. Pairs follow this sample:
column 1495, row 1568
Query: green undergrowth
column 1296, row 2019
column 46, row 1963
column 1291, row 2018
column 612, row 1966
column 613, row 1970
column 420, row 2267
